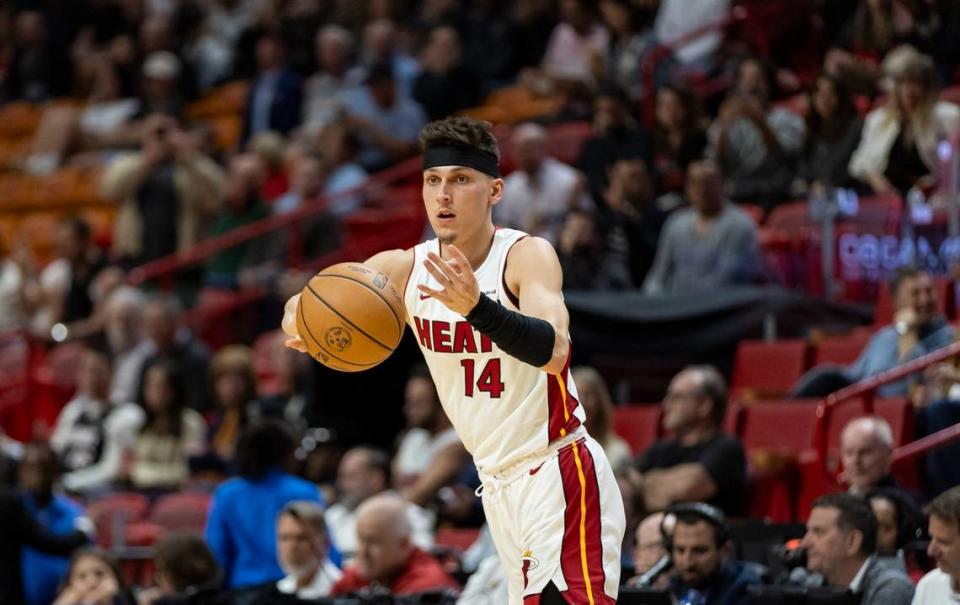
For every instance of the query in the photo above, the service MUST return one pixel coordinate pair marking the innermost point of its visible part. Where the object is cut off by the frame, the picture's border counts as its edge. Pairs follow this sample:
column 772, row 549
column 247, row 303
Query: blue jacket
column 43, row 573
column 242, row 525
column 728, row 587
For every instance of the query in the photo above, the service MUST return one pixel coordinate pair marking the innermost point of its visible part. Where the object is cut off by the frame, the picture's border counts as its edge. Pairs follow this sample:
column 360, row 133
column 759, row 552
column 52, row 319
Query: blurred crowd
column 692, row 134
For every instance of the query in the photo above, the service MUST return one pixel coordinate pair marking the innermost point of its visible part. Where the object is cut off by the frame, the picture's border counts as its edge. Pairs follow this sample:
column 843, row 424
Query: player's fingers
column 296, row 344
column 457, row 255
column 437, row 272
column 442, row 265
column 440, row 295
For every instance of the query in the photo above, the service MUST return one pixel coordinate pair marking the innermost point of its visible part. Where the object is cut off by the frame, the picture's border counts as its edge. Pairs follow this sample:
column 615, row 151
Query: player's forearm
column 529, row 339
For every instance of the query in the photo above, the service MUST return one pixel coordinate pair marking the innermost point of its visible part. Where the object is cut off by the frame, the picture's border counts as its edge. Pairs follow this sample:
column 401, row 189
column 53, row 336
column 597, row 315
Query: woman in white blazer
column 898, row 148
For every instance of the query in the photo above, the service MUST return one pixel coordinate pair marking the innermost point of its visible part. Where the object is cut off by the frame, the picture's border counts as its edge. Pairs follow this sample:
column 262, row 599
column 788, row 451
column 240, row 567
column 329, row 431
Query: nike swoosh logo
column 424, row 296
column 536, row 470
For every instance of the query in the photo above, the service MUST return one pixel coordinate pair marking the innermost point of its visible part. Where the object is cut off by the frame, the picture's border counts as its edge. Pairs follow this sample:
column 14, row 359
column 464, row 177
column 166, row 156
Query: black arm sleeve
column 528, row 339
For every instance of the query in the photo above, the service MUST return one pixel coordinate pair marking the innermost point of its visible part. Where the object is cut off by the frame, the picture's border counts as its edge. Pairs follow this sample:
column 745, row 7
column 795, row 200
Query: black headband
column 455, row 155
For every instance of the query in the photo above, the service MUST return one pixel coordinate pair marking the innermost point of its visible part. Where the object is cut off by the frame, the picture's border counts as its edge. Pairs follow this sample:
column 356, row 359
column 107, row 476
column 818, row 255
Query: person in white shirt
column 430, row 455
column 302, row 547
column 93, row 433
column 363, row 473
column 841, row 543
column 538, row 195
column 942, row 585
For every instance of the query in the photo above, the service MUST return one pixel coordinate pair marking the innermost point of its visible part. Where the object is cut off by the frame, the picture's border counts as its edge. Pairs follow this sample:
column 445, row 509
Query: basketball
column 350, row 317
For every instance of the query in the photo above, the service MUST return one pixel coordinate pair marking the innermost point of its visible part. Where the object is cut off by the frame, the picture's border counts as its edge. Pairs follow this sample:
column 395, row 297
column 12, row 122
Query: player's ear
column 496, row 190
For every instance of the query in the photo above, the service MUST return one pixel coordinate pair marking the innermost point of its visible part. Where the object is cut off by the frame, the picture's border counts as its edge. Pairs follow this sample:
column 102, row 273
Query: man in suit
column 841, row 541
column 18, row 529
column 277, row 93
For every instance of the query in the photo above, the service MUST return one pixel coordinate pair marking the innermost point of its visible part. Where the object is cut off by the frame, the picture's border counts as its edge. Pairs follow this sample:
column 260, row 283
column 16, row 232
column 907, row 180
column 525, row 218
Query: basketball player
column 486, row 306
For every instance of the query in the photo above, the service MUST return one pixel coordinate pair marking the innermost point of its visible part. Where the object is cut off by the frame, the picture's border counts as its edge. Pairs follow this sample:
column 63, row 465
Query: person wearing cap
column 898, row 148
column 161, row 84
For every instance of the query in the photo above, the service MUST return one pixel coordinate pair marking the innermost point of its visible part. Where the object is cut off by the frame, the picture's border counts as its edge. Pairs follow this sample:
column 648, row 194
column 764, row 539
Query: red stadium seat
column 841, row 350
column 116, row 511
column 183, row 511
column 779, row 426
column 638, row 425
column 768, row 370
column 456, row 538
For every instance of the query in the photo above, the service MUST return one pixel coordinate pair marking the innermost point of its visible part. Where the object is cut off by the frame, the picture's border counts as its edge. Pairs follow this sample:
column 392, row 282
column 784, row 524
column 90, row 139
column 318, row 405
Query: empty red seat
column 183, row 511
column 114, row 512
column 768, row 369
column 456, row 538
column 842, row 350
column 786, row 427
column 638, row 425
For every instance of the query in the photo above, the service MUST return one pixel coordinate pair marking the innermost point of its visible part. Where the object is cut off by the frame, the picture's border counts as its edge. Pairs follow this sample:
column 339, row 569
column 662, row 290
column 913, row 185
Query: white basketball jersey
column 502, row 408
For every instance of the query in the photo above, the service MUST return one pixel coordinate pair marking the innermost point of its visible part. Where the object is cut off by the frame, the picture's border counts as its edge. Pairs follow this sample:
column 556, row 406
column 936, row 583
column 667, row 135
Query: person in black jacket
column 18, row 529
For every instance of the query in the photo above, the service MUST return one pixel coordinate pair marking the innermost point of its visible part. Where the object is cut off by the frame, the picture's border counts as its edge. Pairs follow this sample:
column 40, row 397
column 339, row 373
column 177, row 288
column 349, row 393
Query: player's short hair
column 459, row 131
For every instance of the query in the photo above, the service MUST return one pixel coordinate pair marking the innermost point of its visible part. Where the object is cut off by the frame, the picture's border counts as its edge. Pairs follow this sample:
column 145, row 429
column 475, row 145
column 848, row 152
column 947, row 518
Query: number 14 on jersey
column 489, row 380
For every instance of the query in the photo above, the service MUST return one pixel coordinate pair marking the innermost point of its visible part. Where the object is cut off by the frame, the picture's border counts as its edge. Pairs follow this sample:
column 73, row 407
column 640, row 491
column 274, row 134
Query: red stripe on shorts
column 581, row 556
column 560, row 405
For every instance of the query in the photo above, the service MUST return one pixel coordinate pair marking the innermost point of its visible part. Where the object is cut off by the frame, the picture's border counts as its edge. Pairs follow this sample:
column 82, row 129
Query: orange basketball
column 350, row 317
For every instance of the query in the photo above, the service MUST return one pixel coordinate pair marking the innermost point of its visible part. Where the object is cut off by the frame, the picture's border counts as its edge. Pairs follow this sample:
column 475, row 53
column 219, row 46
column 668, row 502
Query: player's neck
column 475, row 248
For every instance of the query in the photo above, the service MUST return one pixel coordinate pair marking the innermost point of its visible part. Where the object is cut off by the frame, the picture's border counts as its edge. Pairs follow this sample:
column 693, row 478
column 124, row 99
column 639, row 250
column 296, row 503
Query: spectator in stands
column 381, row 46
column 833, row 132
column 164, row 81
column 307, row 177
column 38, row 68
column 678, row 137
column 276, row 95
column 756, row 144
column 648, row 549
column 710, row 245
column 899, row 147
column 386, row 121
column 598, row 407
column 20, row 291
column 942, row 585
column 324, row 91
column 186, row 573
column 302, row 546
column 167, row 192
column 166, row 339
column 616, row 136
column 867, row 448
column 122, row 313
column 171, row 432
column 270, row 149
column 239, row 530
column 363, row 473
column 93, row 434
column 630, row 44
column 841, row 542
column 634, row 509
column 67, row 283
column 18, row 529
column 338, row 148
column 632, row 226
column 294, row 400
column 938, row 408
column 242, row 206
column 700, row 462
column 429, row 455
column 39, row 470
column 235, row 394
column 917, row 328
column 92, row 577
column 676, row 20
column 703, row 569
column 446, row 84
column 578, row 44
column 580, row 251
column 386, row 555
column 899, row 521
column 538, row 195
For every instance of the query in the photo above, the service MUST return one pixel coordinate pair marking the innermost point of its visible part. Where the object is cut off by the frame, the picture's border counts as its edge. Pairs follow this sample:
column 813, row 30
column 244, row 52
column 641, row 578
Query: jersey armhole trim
column 514, row 299
column 406, row 284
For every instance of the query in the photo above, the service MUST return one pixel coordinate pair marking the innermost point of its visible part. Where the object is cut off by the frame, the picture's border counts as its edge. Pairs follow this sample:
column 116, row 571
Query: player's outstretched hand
column 289, row 324
column 460, row 291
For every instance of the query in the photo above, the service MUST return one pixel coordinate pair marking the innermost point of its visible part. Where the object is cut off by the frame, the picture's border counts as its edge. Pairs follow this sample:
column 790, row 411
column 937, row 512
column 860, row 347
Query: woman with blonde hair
column 899, row 145
column 598, row 406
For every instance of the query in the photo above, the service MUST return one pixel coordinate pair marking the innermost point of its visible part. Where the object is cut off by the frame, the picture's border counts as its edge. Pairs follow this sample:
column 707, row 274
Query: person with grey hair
column 336, row 73
column 699, row 462
column 866, row 449
column 386, row 555
column 538, row 195
column 302, row 550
